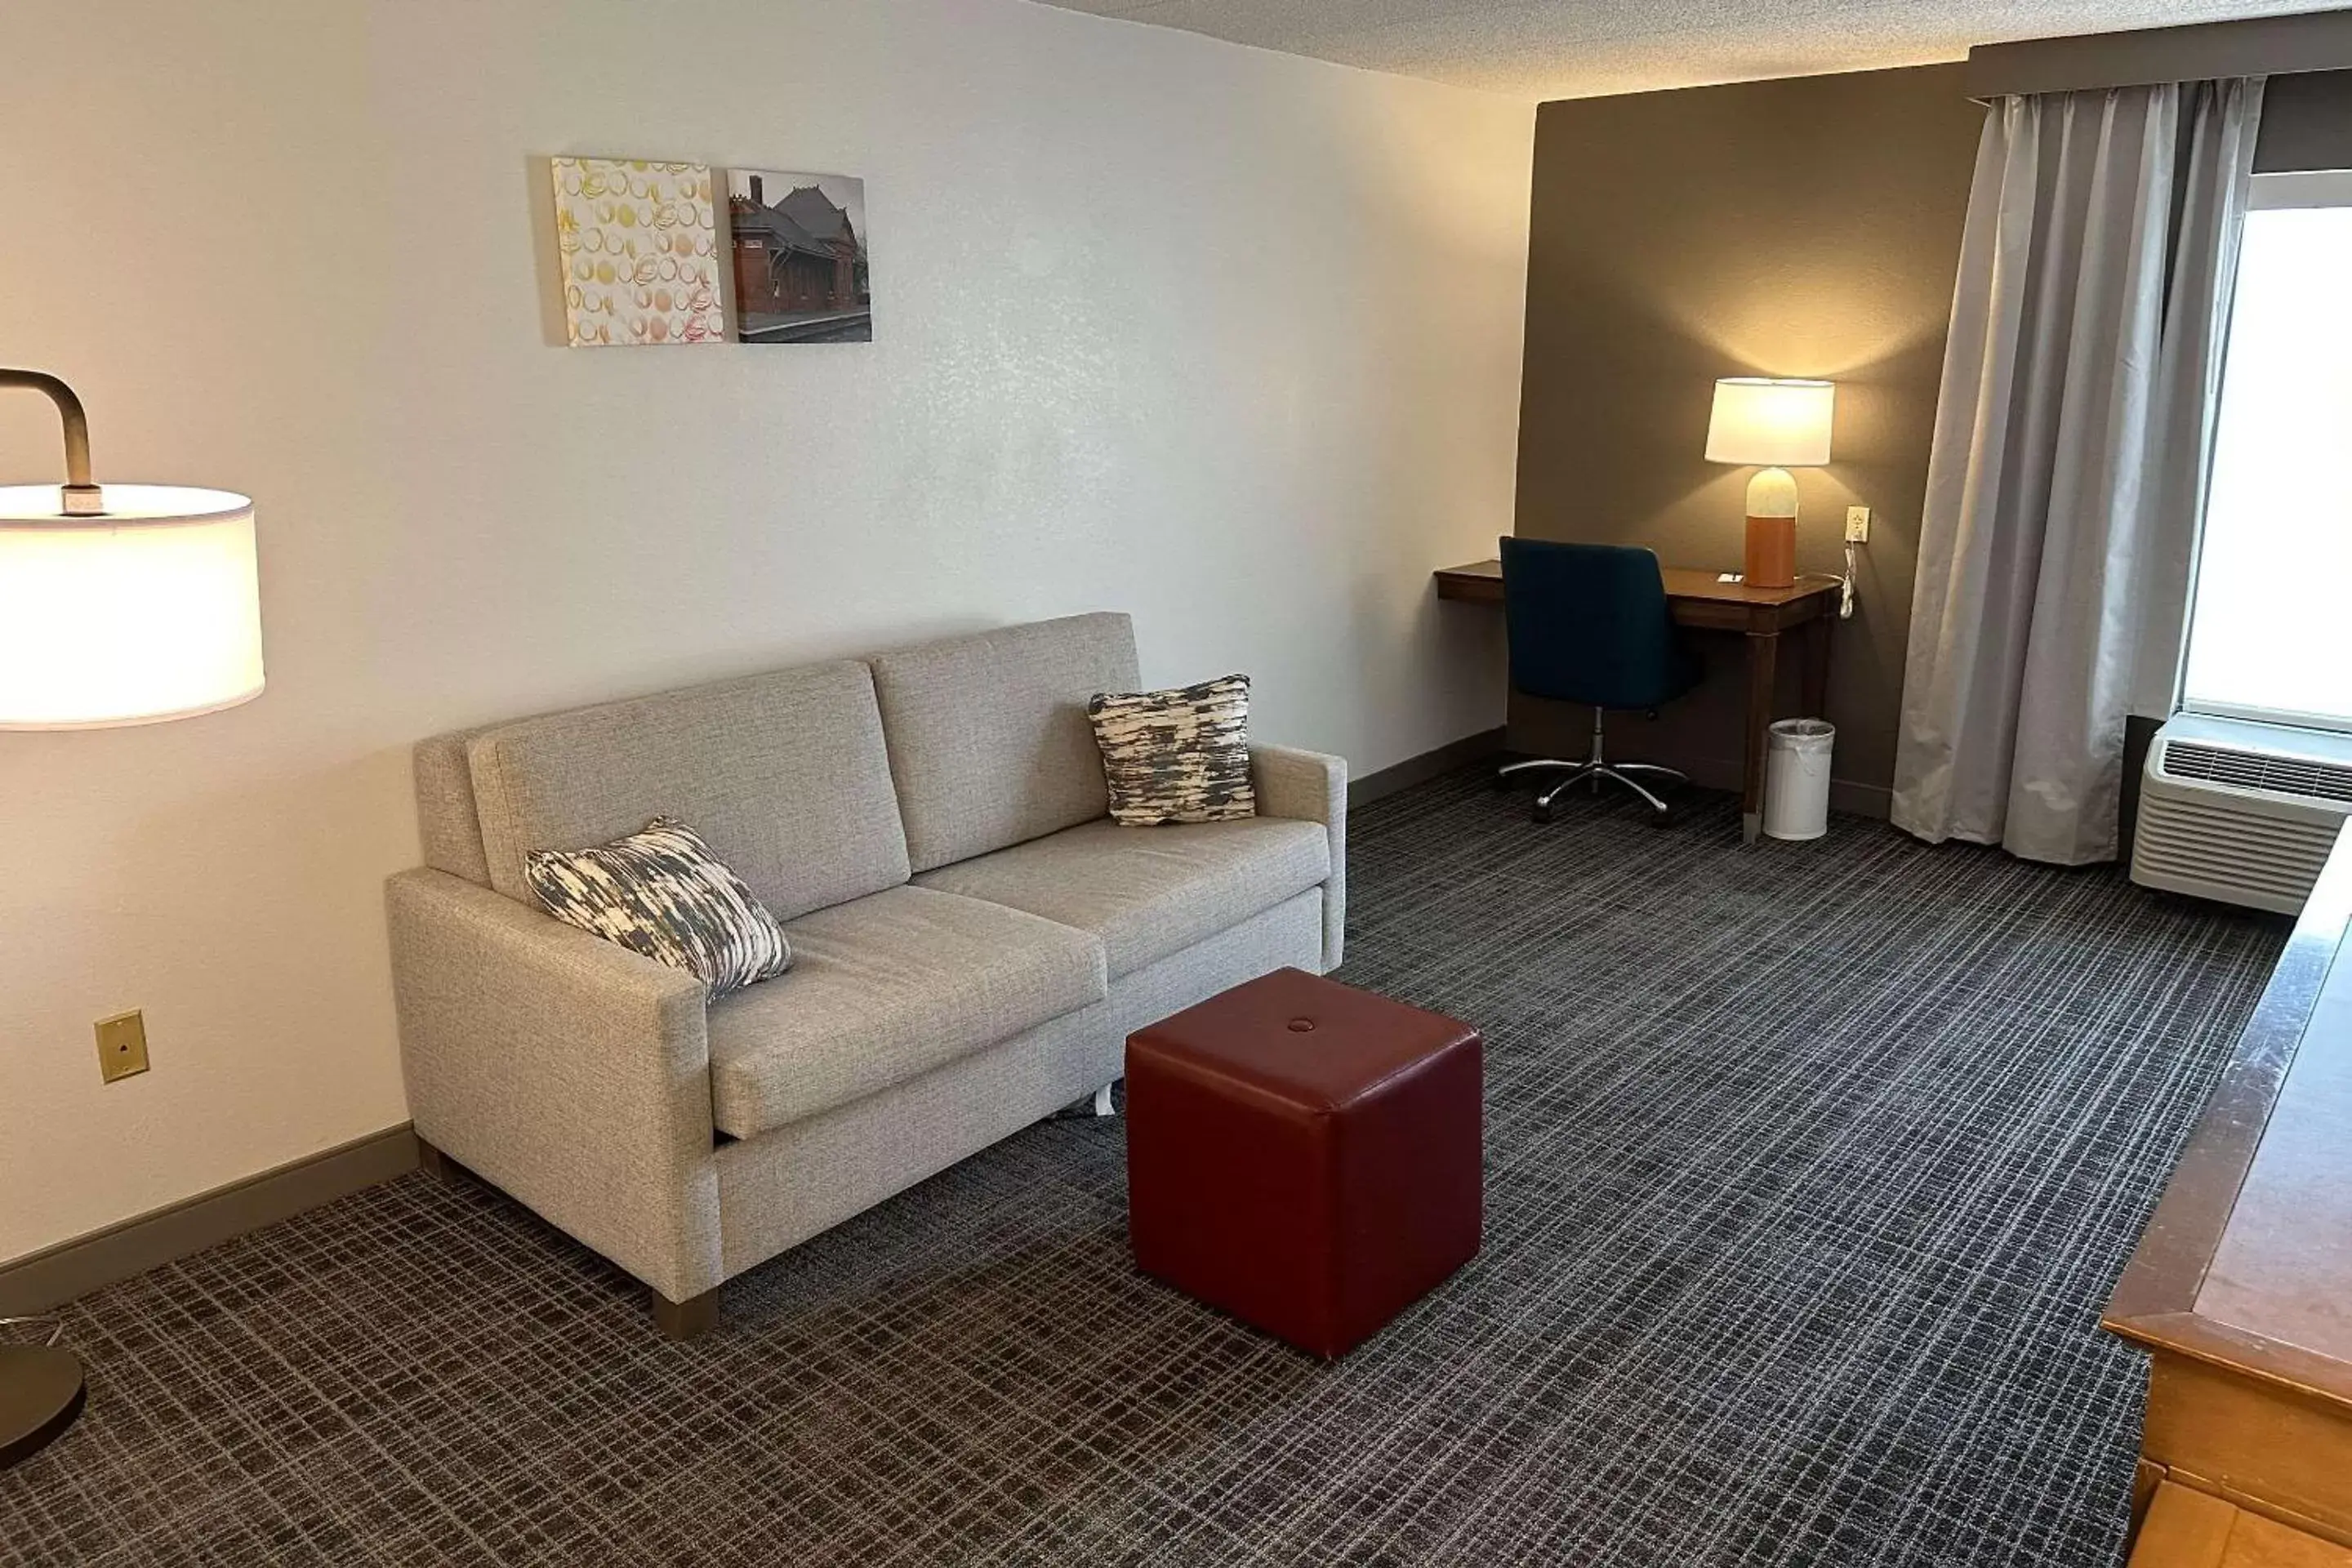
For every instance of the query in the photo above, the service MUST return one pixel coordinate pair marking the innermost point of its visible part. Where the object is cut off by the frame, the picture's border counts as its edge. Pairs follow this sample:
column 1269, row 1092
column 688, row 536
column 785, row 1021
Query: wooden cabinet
column 2241, row 1287
column 2190, row 1529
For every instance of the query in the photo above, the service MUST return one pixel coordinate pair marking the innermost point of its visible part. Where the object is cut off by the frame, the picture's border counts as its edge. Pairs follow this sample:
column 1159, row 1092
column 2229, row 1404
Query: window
column 2271, row 625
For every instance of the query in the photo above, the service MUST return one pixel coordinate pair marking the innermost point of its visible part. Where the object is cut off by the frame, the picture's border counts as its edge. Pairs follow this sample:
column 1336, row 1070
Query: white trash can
column 1797, row 778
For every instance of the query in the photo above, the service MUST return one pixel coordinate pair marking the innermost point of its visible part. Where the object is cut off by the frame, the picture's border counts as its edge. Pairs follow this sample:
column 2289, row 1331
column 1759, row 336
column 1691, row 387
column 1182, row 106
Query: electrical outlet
column 1857, row 525
column 122, row 1046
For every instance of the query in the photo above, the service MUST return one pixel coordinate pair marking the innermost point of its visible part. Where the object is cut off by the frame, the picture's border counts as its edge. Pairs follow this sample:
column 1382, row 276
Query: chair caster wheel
column 1663, row 818
column 1541, row 811
column 1502, row 782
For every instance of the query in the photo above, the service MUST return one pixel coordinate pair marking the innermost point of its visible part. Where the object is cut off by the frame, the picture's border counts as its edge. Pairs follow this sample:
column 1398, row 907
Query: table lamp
column 126, row 605
column 1781, row 425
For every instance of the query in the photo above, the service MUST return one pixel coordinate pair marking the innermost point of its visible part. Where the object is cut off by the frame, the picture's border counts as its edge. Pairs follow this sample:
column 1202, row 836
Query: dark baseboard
column 76, row 1268
column 1862, row 799
column 1845, row 794
column 1458, row 754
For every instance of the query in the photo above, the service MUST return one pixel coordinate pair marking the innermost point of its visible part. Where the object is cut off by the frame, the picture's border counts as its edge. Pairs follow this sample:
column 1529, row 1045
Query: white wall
column 1223, row 338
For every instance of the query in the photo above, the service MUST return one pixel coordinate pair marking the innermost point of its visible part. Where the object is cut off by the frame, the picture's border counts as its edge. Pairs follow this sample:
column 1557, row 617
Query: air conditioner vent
column 2301, row 776
column 2246, row 813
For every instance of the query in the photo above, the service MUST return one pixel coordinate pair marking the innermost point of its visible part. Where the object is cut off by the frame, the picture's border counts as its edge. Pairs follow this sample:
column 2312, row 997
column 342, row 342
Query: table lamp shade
column 1777, row 424
column 147, row 612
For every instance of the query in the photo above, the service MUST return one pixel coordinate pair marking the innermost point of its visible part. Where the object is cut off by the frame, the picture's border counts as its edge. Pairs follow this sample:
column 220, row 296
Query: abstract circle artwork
column 639, row 243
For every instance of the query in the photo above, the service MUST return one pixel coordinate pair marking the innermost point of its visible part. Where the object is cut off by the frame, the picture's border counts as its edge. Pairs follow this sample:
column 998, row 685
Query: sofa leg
column 685, row 1320
column 1102, row 1099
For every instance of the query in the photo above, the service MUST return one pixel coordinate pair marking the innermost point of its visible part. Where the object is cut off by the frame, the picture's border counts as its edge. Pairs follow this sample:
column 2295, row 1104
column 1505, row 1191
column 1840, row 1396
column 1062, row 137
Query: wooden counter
column 2241, row 1286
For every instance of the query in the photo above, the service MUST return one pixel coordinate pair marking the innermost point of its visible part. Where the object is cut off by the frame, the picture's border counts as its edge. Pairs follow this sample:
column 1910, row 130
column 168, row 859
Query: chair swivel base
column 1614, row 773
column 40, row 1393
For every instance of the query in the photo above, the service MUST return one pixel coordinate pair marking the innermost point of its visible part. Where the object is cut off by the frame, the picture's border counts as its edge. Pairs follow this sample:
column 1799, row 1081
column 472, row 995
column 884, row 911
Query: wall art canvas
column 800, row 257
column 639, row 244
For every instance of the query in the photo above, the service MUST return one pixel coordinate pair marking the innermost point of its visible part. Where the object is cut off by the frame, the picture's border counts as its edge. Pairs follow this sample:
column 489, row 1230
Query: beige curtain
column 2072, row 438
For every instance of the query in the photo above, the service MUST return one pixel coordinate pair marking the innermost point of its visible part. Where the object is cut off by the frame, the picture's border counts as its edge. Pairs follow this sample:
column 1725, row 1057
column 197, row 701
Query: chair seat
column 883, row 989
column 1149, row 891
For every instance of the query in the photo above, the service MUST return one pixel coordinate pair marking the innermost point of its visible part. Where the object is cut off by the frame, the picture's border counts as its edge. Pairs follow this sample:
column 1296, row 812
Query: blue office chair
column 1588, row 623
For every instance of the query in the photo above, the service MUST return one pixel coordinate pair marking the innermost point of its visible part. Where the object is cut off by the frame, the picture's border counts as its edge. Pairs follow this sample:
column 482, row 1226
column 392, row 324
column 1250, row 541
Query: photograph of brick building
column 800, row 257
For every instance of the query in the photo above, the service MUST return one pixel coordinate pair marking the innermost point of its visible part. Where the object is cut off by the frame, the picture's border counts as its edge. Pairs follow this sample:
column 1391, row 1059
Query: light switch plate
column 1857, row 525
column 122, row 1046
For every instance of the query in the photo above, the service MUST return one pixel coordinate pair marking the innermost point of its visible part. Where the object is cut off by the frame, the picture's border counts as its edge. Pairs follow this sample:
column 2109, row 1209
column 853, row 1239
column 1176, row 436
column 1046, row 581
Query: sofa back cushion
column 990, row 744
column 447, row 820
column 784, row 775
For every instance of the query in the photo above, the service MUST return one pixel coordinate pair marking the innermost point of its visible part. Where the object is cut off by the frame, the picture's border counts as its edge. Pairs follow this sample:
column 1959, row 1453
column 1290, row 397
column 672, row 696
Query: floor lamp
column 121, row 605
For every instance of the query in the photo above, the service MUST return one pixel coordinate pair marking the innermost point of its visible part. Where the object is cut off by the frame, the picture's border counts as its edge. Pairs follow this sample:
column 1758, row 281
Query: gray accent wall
column 1805, row 227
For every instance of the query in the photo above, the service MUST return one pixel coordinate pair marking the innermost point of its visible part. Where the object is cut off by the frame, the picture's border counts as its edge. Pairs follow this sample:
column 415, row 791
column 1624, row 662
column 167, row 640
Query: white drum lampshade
column 125, row 603
column 150, row 611
column 1773, row 423
column 1778, row 425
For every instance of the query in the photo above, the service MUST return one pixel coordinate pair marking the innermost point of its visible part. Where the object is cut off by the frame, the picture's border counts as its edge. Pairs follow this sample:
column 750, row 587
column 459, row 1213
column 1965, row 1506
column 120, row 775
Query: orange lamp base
column 1771, row 553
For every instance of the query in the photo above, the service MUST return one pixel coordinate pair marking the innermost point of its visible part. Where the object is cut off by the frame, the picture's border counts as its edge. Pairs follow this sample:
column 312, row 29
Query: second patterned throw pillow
column 1177, row 756
column 663, row 893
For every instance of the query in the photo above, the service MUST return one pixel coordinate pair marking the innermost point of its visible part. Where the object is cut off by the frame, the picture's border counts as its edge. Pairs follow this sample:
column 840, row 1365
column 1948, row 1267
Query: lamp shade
column 1781, row 424
column 149, row 611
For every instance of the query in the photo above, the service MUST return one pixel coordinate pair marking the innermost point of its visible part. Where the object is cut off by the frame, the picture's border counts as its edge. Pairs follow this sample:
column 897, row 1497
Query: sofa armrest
column 566, row 1069
column 1309, row 786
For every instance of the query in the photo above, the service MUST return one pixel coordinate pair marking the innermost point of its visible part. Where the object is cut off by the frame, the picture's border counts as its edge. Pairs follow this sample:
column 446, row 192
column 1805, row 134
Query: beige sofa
column 973, row 940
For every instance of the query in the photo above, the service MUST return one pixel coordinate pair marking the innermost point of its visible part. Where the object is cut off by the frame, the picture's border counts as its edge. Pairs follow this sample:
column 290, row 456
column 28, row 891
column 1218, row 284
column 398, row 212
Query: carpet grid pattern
column 1808, row 1168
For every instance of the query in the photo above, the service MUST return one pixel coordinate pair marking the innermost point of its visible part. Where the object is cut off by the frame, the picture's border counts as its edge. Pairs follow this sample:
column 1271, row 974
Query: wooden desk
column 1696, row 598
column 2241, row 1287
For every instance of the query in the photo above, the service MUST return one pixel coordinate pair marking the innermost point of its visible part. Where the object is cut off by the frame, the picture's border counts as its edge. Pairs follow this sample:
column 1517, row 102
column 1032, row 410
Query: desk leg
column 1818, row 633
column 1763, row 663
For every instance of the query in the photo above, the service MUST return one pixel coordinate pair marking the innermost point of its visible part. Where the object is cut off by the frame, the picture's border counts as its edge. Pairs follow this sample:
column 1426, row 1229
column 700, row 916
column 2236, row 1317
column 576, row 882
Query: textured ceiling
column 1573, row 48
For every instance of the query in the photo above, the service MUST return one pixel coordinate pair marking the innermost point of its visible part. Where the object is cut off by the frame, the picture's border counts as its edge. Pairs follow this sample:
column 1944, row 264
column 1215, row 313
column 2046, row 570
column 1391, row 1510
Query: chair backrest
column 1588, row 623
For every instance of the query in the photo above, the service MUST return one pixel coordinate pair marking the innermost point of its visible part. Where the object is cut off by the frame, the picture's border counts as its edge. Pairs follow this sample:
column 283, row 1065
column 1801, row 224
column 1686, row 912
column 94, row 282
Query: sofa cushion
column 885, row 989
column 783, row 775
column 663, row 893
column 1147, row 891
column 990, row 743
column 1176, row 756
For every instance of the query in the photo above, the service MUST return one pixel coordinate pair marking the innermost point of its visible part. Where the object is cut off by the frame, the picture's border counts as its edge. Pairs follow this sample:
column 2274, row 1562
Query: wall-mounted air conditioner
column 2240, row 812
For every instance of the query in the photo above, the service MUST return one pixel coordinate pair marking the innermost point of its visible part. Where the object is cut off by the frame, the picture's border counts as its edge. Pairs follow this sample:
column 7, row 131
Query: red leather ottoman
column 1303, row 1155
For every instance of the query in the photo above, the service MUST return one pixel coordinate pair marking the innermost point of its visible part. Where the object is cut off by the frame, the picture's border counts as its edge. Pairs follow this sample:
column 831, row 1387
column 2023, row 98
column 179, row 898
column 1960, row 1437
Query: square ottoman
column 1305, row 1155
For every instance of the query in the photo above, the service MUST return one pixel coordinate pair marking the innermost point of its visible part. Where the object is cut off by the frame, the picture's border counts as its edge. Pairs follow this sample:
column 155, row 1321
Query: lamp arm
column 82, row 498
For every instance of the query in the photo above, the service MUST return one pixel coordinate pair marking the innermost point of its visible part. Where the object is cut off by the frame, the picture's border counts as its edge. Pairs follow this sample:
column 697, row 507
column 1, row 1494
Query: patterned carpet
column 1808, row 1168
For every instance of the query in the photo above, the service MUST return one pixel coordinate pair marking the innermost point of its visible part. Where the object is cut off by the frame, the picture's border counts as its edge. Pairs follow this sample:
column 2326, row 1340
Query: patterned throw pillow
column 1177, row 756
column 663, row 893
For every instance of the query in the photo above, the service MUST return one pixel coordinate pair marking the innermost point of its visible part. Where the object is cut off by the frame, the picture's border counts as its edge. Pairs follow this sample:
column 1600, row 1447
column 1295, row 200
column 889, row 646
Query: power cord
column 1846, row 595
